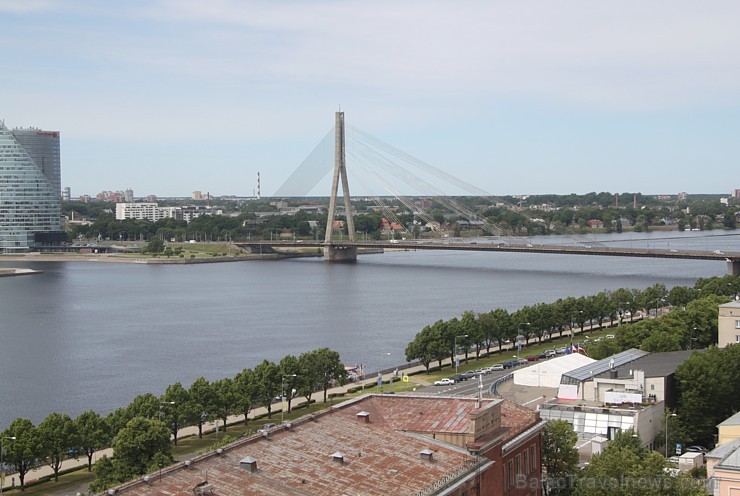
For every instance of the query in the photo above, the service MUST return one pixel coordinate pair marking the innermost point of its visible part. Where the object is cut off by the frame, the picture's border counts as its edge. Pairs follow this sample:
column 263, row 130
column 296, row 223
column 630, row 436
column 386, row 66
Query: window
column 737, row 338
column 518, row 465
column 533, row 458
column 511, row 474
column 526, row 463
column 737, row 324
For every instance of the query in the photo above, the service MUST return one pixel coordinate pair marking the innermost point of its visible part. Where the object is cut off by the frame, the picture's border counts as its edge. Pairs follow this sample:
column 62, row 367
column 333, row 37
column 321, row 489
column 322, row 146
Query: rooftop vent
column 426, row 454
column 338, row 457
column 363, row 417
column 249, row 464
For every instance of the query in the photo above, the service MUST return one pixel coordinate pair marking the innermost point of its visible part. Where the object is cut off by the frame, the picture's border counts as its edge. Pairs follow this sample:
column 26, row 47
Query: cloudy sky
column 171, row 96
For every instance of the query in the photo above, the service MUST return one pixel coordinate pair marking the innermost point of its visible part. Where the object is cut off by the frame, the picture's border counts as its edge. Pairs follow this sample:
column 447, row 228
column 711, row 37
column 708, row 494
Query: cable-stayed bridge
column 376, row 166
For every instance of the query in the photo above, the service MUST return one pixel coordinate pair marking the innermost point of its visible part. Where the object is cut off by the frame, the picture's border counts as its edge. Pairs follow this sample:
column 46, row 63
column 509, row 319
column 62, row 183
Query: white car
column 444, row 382
column 496, row 366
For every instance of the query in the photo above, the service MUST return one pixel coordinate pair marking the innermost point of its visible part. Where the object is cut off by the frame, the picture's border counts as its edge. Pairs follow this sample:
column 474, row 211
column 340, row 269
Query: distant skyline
column 168, row 97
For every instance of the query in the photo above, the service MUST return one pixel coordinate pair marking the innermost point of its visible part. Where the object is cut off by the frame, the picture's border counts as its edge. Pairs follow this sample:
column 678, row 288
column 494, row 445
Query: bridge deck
column 550, row 249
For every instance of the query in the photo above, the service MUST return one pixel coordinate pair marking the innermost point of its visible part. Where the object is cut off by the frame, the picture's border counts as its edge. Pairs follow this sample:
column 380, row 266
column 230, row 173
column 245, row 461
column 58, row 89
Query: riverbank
column 10, row 272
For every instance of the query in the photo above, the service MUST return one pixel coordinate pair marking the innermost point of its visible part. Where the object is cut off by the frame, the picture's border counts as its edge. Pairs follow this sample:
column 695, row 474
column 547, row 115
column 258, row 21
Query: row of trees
column 696, row 323
column 136, row 432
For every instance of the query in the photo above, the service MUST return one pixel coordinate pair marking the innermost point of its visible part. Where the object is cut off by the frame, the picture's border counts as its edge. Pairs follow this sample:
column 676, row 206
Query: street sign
column 679, row 449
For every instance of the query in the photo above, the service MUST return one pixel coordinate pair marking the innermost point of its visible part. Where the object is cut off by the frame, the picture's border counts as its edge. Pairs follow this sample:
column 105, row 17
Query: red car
column 532, row 358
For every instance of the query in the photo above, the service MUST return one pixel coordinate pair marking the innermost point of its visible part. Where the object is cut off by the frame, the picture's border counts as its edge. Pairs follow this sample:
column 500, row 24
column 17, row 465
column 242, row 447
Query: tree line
column 693, row 323
column 141, row 434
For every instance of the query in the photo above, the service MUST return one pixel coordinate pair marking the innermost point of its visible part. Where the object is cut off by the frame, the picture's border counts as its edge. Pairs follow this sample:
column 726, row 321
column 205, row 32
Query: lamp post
column 692, row 339
column 518, row 333
column 454, row 351
column 282, row 398
column 160, row 407
column 667, row 416
column 2, row 467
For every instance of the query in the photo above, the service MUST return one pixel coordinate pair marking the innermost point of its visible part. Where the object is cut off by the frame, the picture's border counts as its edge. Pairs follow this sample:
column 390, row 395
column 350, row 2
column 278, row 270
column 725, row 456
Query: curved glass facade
column 30, row 201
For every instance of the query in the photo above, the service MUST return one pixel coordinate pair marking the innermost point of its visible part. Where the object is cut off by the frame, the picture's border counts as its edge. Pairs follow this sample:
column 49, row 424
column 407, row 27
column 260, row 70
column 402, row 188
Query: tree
column 624, row 468
column 713, row 374
column 93, row 434
column 176, row 415
column 203, row 400
column 58, row 434
column 419, row 348
column 224, row 399
column 22, row 451
column 137, row 444
column 289, row 367
column 267, row 384
column 559, row 455
column 245, row 386
column 155, row 245
column 330, row 368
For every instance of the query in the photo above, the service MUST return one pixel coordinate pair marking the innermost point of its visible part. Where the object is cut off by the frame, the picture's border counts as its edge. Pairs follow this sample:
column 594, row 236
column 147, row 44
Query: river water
column 93, row 335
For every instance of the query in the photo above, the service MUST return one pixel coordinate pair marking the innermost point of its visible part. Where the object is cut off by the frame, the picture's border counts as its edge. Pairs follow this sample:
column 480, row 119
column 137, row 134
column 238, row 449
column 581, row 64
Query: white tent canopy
column 547, row 373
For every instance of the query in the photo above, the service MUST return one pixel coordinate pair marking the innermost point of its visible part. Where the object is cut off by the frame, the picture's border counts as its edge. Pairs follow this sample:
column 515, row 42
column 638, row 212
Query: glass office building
column 30, row 196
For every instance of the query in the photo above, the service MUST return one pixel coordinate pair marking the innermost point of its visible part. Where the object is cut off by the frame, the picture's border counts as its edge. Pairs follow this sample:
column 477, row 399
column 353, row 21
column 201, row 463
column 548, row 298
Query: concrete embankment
column 18, row 272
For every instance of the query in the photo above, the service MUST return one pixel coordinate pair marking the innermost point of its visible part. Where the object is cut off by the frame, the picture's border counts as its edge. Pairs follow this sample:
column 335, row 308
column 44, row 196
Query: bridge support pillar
column 340, row 253
column 733, row 267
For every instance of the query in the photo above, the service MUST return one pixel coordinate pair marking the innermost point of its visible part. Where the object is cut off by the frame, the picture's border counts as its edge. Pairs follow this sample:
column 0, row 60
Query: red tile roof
column 383, row 455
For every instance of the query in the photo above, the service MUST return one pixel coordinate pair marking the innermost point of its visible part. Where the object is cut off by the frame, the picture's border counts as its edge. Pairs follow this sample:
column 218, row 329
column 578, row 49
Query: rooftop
column 594, row 369
column 373, row 445
column 653, row 364
column 732, row 304
column 734, row 420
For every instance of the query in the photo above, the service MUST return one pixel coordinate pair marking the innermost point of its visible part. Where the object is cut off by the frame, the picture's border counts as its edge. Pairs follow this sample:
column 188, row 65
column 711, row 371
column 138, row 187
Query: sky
column 167, row 97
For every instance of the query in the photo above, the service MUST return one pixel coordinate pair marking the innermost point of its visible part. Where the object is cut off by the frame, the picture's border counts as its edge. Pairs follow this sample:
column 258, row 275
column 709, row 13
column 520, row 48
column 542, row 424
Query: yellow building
column 729, row 430
column 729, row 324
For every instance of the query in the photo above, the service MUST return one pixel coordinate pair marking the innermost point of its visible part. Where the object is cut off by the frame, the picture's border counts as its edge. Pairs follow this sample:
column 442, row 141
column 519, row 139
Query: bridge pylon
column 334, row 253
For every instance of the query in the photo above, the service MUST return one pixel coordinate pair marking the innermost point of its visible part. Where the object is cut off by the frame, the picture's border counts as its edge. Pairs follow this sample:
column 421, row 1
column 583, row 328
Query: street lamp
column 160, row 407
column 282, row 398
column 518, row 333
column 692, row 339
column 667, row 415
column 2, row 467
column 454, row 351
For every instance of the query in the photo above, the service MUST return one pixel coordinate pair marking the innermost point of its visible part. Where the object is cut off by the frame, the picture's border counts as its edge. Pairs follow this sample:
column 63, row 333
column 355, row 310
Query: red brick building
column 375, row 445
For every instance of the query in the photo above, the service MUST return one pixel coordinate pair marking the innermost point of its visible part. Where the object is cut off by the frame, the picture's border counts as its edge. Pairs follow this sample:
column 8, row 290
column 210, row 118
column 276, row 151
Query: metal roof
column 734, row 420
column 593, row 369
column 660, row 364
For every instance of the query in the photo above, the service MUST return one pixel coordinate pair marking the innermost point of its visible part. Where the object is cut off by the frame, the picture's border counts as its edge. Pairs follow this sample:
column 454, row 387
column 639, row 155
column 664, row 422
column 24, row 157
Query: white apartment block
column 148, row 211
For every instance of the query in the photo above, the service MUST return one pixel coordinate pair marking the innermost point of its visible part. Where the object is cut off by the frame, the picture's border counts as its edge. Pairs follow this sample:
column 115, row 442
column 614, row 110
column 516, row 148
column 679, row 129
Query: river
column 92, row 336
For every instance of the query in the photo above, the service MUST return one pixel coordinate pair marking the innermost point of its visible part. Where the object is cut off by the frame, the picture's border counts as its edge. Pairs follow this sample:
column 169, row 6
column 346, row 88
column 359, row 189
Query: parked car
column 610, row 336
column 444, row 382
column 459, row 377
column 550, row 353
column 533, row 358
column 496, row 366
column 697, row 449
column 510, row 364
column 521, row 361
column 471, row 373
column 560, row 351
column 266, row 428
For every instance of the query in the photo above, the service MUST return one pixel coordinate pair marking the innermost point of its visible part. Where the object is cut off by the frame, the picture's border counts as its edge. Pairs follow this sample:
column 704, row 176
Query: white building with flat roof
column 148, row 211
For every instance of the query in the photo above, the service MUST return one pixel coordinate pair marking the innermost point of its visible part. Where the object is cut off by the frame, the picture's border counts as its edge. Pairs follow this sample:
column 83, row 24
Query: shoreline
column 12, row 272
